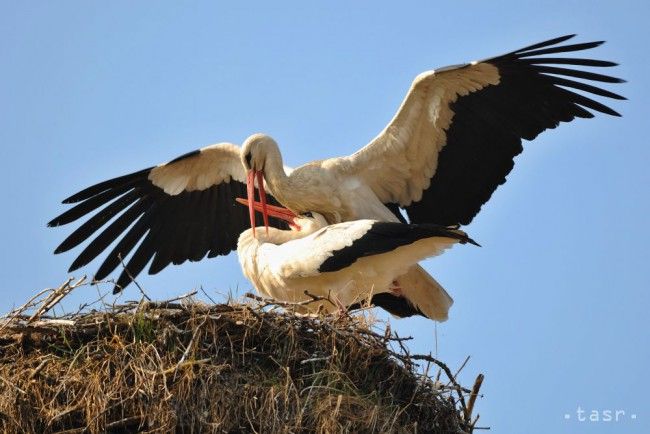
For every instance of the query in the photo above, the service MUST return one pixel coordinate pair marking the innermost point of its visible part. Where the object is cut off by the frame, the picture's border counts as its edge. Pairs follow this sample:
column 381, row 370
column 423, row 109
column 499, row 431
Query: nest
column 182, row 365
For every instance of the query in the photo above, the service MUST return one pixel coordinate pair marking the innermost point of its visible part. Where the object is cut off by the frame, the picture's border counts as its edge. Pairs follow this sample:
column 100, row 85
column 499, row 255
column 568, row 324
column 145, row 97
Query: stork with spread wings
column 446, row 150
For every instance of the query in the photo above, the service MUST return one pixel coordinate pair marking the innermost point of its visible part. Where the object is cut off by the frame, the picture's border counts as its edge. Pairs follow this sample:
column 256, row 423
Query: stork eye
column 248, row 158
column 308, row 214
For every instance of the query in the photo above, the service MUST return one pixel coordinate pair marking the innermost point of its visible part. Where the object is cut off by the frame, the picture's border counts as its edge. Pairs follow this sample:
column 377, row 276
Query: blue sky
column 553, row 308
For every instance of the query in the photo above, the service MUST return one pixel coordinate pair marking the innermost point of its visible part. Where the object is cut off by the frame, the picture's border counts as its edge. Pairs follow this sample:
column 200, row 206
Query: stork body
column 321, row 186
column 347, row 263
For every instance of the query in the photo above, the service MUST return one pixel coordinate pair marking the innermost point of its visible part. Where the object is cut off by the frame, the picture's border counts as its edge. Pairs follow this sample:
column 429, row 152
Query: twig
column 175, row 368
column 55, row 297
column 46, row 304
column 461, row 366
column 472, row 398
column 445, row 368
column 315, row 359
column 207, row 295
column 271, row 302
column 189, row 346
column 135, row 282
column 51, row 322
column 39, row 368
column 166, row 304
column 8, row 383
column 30, row 303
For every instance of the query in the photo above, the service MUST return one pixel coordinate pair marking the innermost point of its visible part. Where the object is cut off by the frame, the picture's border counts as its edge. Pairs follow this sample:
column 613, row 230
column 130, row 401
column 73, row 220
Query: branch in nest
column 52, row 299
column 271, row 302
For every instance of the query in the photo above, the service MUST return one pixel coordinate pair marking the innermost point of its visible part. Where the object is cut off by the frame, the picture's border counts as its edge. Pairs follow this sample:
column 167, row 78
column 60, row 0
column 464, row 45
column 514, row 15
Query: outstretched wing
column 180, row 210
column 453, row 139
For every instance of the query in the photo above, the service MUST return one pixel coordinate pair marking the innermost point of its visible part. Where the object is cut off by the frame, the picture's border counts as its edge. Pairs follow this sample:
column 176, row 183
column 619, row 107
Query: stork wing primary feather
column 453, row 139
column 177, row 211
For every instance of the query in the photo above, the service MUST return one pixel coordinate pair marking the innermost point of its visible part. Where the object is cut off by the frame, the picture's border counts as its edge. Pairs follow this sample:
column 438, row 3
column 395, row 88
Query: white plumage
column 348, row 263
column 446, row 150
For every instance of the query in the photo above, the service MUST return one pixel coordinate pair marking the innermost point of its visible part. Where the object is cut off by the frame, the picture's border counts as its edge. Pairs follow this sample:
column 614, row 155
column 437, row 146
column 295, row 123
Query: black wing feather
column 489, row 124
column 543, row 44
column 95, row 222
column 111, row 184
column 383, row 237
column 153, row 224
column 560, row 49
column 108, row 235
column 393, row 304
column 568, row 61
column 125, row 245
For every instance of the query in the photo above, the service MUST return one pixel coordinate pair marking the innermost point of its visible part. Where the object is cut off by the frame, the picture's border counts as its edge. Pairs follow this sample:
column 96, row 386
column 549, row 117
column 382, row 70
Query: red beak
column 250, row 191
column 274, row 211
column 265, row 213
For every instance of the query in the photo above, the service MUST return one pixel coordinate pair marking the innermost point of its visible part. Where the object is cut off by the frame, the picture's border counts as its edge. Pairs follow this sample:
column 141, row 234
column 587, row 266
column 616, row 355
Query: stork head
column 305, row 223
column 256, row 150
column 309, row 222
column 254, row 155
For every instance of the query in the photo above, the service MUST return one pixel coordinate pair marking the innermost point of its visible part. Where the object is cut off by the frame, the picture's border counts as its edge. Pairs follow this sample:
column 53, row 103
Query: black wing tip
column 606, row 110
column 553, row 41
column 117, row 289
column 108, row 184
column 461, row 236
column 57, row 221
column 553, row 46
column 610, row 79
column 560, row 39
column 546, row 43
column 449, row 231
column 618, row 97
column 78, row 196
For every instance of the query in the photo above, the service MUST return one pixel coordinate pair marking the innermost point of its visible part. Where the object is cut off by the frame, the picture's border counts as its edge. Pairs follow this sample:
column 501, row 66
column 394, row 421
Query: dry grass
column 190, row 367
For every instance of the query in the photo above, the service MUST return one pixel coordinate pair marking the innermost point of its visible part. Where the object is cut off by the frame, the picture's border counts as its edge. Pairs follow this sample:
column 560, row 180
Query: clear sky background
column 553, row 308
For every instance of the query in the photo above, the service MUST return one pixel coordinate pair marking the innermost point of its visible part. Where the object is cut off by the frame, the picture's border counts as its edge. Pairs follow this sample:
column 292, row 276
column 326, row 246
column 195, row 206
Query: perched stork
column 450, row 144
column 345, row 263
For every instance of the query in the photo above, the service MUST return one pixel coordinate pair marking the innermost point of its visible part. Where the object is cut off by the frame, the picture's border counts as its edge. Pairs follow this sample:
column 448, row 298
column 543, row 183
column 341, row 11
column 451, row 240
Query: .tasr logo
column 604, row 415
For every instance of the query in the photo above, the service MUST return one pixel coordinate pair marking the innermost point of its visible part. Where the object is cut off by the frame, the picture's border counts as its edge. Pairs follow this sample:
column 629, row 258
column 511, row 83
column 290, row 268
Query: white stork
column 345, row 263
column 447, row 149
column 450, row 144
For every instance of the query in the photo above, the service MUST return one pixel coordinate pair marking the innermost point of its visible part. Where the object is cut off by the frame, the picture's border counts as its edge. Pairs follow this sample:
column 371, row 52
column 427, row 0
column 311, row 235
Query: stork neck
column 275, row 236
column 274, row 173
